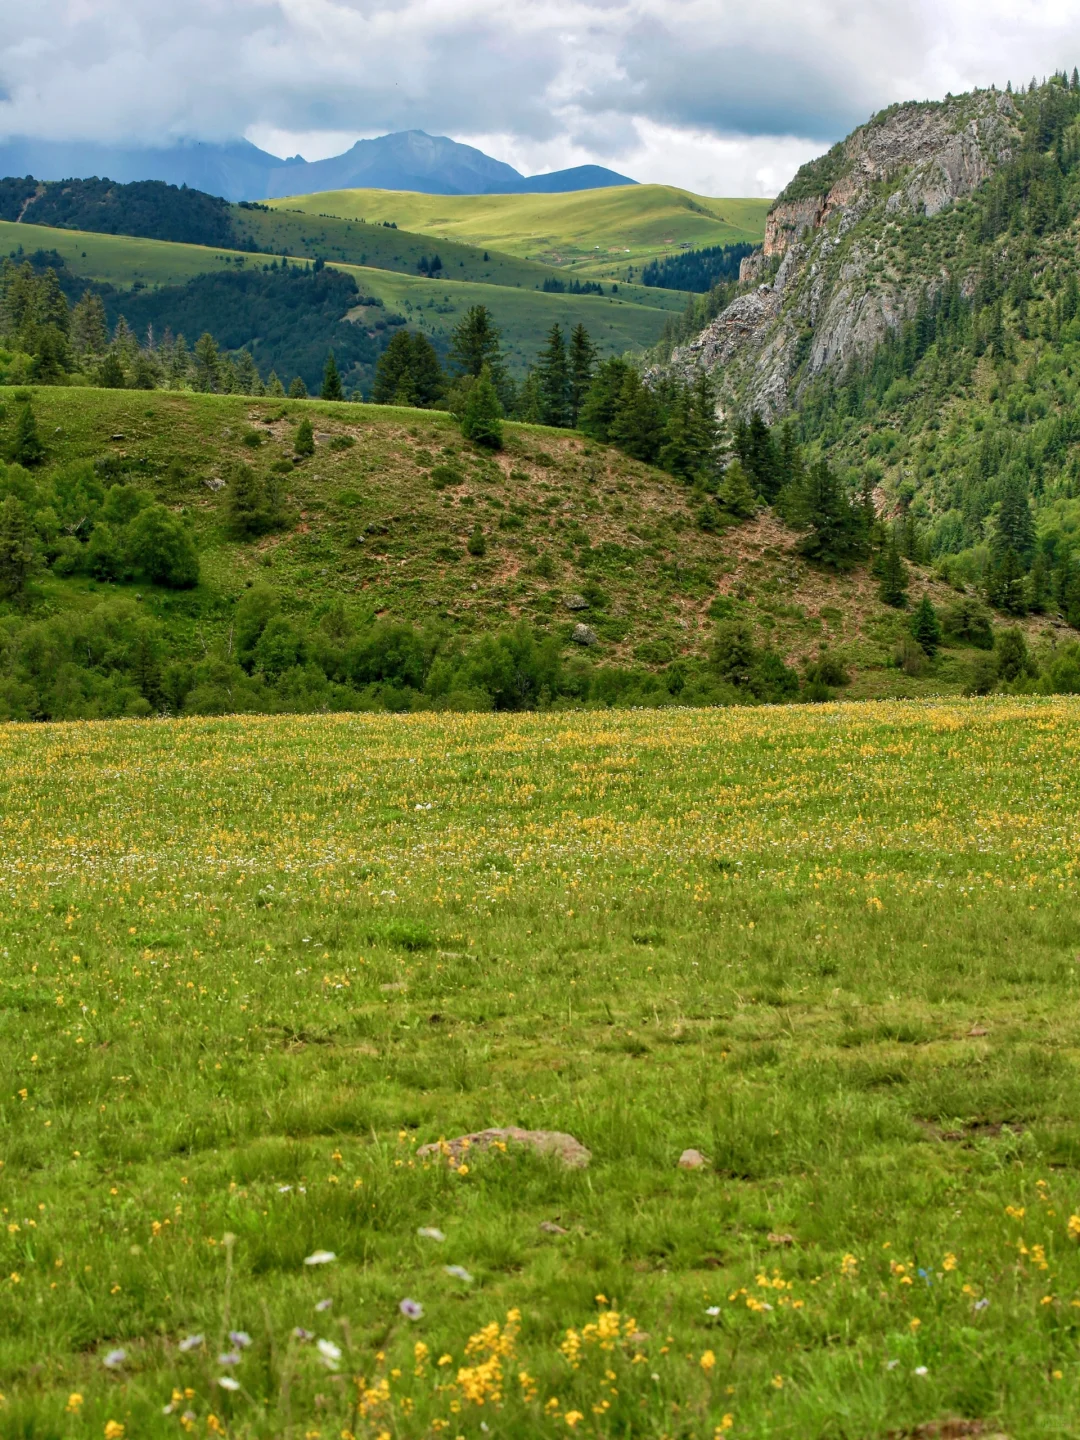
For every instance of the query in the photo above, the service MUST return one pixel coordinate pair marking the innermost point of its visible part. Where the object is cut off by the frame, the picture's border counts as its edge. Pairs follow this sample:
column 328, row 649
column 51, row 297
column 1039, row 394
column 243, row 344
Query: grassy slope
column 374, row 529
column 632, row 320
column 355, row 242
column 597, row 232
column 832, row 949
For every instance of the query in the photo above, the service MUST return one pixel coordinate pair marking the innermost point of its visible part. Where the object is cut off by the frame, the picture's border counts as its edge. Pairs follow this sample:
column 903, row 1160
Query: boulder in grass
column 563, row 1147
column 576, row 602
column 583, row 635
column 692, row 1160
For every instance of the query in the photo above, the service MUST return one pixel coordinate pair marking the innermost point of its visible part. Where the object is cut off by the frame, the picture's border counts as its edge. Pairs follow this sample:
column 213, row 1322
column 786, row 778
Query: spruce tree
column 637, row 426
column 304, row 440
column 475, row 342
column 736, row 494
column 602, row 399
column 89, row 329
column 553, row 379
column 1015, row 529
column 16, row 549
column 894, row 575
column 582, row 362
column 331, row 380
column 274, row 386
column 482, row 421
column 925, row 626
column 1006, row 587
column 758, row 452
column 298, row 390
column 110, row 375
column 247, row 375
column 26, row 447
column 835, row 533
column 207, row 362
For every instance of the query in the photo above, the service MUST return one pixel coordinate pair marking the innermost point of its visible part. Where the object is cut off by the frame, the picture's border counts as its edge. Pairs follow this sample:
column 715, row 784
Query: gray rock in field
column 545, row 1142
column 583, row 635
column 576, row 602
column 215, row 483
column 692, row 1160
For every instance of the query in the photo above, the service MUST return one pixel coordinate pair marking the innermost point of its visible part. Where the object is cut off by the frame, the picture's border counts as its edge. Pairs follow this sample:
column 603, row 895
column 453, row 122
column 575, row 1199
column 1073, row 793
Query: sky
column 720, row 96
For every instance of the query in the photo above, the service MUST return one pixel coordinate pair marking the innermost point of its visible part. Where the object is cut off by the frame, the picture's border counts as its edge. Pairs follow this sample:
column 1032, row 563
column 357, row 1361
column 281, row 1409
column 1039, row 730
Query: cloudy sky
column 724, row 97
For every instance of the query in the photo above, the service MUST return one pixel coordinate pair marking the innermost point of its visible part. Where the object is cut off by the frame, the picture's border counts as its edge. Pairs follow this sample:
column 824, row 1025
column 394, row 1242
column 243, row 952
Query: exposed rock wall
column 824, row 306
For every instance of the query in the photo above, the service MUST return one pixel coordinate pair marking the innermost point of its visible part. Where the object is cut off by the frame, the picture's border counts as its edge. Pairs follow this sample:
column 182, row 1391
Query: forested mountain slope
column 914, row 311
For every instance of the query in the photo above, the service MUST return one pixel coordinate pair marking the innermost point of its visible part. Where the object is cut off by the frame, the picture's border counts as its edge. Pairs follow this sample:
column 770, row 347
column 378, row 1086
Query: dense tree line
column 251, row 322
column 697, row 270
column 150, row 209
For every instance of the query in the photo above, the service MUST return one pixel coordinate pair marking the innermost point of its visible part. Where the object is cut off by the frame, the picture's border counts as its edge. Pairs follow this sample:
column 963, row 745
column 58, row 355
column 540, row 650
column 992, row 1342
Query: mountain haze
column 238, row 170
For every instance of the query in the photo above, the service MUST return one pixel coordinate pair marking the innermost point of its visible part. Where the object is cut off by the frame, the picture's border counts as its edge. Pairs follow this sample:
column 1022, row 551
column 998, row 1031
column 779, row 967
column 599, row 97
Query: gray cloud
column 577, row 79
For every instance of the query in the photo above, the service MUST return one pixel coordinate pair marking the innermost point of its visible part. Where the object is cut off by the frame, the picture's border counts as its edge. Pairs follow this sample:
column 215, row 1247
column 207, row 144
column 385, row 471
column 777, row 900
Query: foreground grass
column 250, row 965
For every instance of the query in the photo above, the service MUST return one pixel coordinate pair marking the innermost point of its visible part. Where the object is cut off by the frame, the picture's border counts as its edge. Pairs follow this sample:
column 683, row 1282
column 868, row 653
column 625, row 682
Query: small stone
column 576, row 602
column 977, row 1030
column 545, row 1142
column 393, row 988
column 118, row 437
column 583, row 635
column 692, row 1160
column 214, row 483
column 775, row 1239
column 549, row 1227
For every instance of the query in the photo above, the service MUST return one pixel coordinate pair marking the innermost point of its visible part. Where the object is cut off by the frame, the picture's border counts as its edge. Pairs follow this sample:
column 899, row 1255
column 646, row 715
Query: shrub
column 477, row 544
column 161, row 547
column 304, row 443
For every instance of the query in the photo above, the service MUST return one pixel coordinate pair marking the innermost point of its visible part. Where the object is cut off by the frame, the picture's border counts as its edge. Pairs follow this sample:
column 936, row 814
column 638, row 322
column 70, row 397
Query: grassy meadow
column 632, row 320
column 252, row 965
column 594, row 232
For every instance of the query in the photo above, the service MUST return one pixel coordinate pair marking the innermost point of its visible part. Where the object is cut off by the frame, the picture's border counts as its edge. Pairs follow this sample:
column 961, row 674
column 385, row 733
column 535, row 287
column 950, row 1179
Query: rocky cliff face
column 825, row 291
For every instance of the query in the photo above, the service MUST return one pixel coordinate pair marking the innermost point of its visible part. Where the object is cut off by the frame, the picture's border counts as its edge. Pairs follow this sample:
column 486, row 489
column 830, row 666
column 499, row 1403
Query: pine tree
column 331, row 381
column 835, row 536
column 1005, row 584
column 298, row 390
column 408, row 373
column 602, row 399
column 26, row 447
column 894, row 575
column 482, row 421
column 637, row 426
column 110, row 375
column 925, row 626
column 304, row 441
column 89, row 329
column 16, row 549
column 1015, row 528
column 274, row 386
column 207, row 362
column 582, row 362
column 757, row 450
column 247, row 374
column 124, row 344
column 180, row 366
column 736, row 494
column 553, row 379
column 475, row 342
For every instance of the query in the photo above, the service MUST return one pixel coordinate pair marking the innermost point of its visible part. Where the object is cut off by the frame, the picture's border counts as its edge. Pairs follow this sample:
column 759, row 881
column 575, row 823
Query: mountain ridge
column 238, row 170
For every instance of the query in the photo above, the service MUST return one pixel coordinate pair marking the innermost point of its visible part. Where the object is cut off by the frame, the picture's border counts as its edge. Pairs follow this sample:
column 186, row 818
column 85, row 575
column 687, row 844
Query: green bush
column 162, row 548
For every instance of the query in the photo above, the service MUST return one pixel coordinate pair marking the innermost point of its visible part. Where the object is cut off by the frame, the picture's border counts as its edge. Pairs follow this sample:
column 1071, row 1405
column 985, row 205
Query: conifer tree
column 637, row 425
column 894, row 575
column 247, row 375
column 304, row 441
column 482, row 421
column 298, row 390
column 26, row 447
column 110, row 375
column 274, row 386
column 925, row 626
column 582, row 362
column 89, row 330
column 736, row 494
column 553, row 380
column 331, row 382
column 475, row 342
column 16, row 549
column 835, row 535
column 207, row 362
column 1015, row 529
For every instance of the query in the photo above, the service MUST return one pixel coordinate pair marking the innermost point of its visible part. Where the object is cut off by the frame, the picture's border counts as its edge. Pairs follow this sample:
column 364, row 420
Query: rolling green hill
column 594, row 232
column 632, row 319
column 395, row 521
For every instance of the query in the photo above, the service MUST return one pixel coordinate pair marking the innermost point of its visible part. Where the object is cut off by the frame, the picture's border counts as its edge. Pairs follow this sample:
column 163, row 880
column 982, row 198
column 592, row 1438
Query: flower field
column 251, row 966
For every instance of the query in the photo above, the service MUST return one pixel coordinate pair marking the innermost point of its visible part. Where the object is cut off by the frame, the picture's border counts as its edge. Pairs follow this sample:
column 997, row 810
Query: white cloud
column 715, row 94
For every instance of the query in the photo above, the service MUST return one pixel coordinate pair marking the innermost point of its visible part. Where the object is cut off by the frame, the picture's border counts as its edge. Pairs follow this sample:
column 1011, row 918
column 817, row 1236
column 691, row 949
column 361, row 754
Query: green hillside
column 394, row 521
column 594, row 232
column 632, row 319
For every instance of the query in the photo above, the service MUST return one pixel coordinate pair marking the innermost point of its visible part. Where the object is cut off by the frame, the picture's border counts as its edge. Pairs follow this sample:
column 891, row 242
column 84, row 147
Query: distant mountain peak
column 238, row 170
